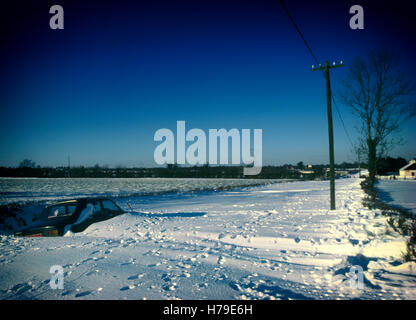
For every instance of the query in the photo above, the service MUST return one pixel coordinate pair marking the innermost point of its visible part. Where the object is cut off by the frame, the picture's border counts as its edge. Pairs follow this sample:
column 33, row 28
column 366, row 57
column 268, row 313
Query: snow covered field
column 278, row 241
column 398, row 192
column 30, row 190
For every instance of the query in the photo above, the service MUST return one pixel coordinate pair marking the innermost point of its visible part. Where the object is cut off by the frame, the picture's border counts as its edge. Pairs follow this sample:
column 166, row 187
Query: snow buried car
column 72, row 215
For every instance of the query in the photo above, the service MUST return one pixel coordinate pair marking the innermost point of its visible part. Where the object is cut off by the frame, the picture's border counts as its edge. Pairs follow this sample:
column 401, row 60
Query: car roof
column 63, row 202
column 74, row 201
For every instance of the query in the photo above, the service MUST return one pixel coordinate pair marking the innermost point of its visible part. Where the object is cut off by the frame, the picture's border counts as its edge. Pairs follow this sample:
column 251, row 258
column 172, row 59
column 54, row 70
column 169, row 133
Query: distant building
column 409, row 170
column 307, row 171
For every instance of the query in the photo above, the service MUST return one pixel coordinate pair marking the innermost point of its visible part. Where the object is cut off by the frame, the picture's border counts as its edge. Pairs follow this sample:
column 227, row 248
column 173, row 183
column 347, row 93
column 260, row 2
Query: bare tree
column 380, row 94
column 27, row 163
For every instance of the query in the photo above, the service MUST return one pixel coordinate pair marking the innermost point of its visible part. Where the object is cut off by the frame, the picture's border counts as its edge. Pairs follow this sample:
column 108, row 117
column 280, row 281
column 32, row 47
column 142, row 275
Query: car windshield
column 110, row 205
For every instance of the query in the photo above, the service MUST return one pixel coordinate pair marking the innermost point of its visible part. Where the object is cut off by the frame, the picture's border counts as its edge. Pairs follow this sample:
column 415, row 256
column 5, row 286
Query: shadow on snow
column 168, row 215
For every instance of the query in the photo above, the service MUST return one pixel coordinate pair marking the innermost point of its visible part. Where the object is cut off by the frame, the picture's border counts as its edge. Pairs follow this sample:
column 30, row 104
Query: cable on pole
column 298, row 30
column 318, row 63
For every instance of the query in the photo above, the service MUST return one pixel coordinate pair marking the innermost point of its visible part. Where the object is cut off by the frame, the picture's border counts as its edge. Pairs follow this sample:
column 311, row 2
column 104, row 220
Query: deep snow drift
column 271, row 242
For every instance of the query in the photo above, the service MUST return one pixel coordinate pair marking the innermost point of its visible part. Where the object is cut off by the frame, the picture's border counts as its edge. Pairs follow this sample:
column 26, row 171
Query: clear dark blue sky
column 99, row 89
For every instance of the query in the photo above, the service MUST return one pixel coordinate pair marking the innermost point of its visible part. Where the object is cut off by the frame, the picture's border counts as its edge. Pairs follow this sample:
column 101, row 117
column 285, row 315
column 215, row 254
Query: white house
column 409, row 170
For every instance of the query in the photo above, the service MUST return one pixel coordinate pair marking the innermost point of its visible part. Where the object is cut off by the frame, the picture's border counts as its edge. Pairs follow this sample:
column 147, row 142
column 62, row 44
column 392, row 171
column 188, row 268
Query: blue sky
column 99, row 89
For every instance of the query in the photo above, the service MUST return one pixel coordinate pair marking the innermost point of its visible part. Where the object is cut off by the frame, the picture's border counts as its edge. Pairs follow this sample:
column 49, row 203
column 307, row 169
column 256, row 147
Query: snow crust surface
column 278, row 241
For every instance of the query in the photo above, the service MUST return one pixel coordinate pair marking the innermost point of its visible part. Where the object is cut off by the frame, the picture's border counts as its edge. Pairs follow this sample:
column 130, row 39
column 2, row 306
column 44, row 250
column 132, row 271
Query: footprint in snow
column 136, row 276
column 20, row 288
column 83, row 294
column 67, row 292
column 86, row 260
column 354, row 241
column 99, row 258
column 167, row 277
column 169, row 287
column 91, row 273
column 127, row 263
column 129, row 287
column 221, row 260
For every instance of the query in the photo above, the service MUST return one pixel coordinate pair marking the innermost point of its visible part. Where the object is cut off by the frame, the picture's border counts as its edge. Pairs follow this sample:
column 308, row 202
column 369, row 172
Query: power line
column 317, row 62
column 298, row 30
column 342, row 121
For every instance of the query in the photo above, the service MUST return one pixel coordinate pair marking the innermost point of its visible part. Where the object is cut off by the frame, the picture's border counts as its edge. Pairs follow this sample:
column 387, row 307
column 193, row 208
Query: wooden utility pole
column 325, row 70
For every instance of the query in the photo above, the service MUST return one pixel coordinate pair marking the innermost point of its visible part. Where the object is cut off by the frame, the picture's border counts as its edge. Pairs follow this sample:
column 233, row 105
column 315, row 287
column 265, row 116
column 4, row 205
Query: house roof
column 409, row 166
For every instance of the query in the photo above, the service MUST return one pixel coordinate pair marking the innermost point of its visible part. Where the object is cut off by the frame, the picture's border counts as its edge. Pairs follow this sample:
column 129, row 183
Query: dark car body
column 55, row 218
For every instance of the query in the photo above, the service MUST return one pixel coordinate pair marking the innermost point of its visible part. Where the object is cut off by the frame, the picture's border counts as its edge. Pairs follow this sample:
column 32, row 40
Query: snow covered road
column 270, row 242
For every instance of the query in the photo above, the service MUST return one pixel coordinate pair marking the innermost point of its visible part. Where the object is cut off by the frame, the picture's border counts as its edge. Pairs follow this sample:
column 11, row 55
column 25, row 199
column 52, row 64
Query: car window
column 45, row 213
column 57, row 211
column 71, row 208
column 110, row 205
column 96, row 207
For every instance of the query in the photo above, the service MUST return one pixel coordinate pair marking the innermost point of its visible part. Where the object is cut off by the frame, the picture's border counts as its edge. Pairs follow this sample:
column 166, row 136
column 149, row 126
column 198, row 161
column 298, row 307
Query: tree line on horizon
column 28, row 168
